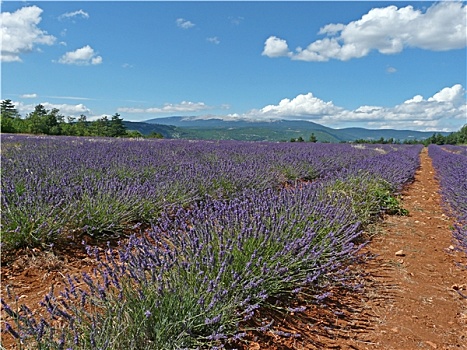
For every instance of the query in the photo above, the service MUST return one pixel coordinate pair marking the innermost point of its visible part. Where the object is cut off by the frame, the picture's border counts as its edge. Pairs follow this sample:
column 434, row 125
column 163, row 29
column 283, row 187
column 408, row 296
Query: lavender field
column 214, row 232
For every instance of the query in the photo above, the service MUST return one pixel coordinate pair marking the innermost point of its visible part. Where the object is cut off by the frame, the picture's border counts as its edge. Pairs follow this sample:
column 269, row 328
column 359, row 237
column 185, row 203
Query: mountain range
column 275, row 130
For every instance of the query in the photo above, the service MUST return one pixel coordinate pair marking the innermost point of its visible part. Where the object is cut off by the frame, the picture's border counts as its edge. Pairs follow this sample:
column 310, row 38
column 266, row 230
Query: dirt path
column 411, row 300
column 417, row 303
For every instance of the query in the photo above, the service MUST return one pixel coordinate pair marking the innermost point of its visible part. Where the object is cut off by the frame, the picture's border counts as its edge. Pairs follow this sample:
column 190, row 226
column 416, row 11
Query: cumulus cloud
column 302, row 106
column 387, row 30
column 454, row 95
column 184, row 24
column 79, row 13
column 65, row 109
column 20, row 33
column 82, row 56
column 446, row 110
column 182, row 107
column 275, row 47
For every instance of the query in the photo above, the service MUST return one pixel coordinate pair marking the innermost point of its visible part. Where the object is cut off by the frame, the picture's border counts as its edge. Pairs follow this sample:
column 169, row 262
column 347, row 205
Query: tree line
column 454, row 138
column 52, row 122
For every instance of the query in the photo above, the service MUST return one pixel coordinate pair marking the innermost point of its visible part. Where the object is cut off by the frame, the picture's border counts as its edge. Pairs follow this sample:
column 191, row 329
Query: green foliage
column 8, row 110
column 33, row 228
column 383, row 141
column 9, row 117
column 155, row 135
column 134, row 134
column 454, row 138
column 370, row 197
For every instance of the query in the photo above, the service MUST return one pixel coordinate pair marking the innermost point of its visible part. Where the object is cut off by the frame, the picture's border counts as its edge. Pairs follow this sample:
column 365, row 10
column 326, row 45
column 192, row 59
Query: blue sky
column 369, row 64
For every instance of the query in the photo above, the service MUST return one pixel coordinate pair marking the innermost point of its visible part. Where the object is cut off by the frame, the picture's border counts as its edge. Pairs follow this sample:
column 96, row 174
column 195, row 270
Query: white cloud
column 184, row 24
column 275, row 47
column 214, row 40
column 96, row 60
column 391, row 70
column 302, row 106
column 65, row 109
column 97, row 117
column 82, row 56
column 415, row 99
column 79, row 13
column 454, row 94
column 28, row 96
column 387, row 30
column 71, row 98
column 20, row 33
column 446, row 110
column 182, row 107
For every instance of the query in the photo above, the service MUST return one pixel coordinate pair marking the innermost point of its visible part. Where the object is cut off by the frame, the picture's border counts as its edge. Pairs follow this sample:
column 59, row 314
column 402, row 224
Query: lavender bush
column 450, row 163
column 201, row 271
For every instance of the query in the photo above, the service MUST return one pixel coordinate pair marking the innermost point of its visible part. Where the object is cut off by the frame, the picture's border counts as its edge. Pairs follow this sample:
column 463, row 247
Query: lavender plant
column 450, row 163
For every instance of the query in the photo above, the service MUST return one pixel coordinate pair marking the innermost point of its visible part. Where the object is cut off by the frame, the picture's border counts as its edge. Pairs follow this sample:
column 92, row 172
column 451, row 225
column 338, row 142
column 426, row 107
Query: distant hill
column 275, row 130
column 168, row 131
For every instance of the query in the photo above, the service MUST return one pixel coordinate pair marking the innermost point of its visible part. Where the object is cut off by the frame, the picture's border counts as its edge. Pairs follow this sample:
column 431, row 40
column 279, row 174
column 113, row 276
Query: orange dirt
column 411, row 300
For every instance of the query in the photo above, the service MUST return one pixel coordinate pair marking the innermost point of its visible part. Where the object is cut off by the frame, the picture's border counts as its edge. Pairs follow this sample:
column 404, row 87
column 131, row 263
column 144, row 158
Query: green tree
column 68, row 127
column 462, row 135
column 8, row 116
column 100, row 127
column 155, row 135
column 452, row 138
column 116, row 126
column 134, row 134
column 313, row 138
column 57, row 124
column 50, row 121
column 81, row 126
column 8, row 109
column 35, row 121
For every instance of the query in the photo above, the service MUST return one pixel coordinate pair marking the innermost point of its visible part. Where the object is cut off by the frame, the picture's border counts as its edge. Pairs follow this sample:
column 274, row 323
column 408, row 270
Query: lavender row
column 63, row 187
column 395, row 164
column 450, row 163
column 199, row 274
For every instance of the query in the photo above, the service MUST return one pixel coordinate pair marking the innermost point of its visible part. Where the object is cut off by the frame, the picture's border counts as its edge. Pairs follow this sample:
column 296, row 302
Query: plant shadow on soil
column 342, row 320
